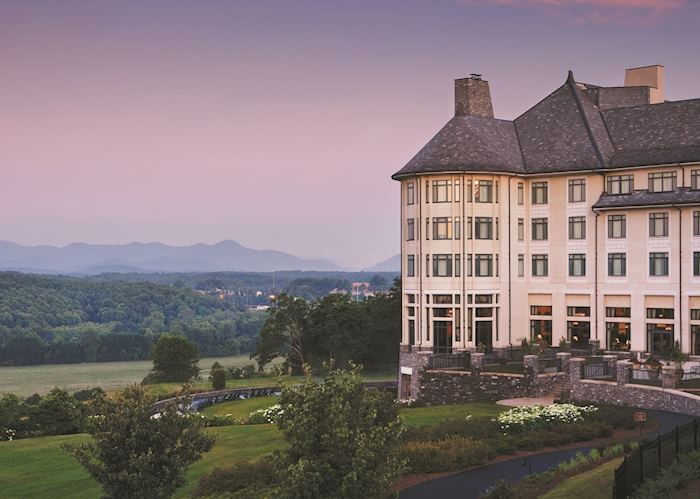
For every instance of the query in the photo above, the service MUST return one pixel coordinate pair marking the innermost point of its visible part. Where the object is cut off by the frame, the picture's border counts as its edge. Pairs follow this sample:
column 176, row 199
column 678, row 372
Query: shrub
column 89, row 394
column 669, row 480
column 244, row 479
column 451, row 453
column 500, row 490
column 542, row 416
column 218, row 379
column 263, row 416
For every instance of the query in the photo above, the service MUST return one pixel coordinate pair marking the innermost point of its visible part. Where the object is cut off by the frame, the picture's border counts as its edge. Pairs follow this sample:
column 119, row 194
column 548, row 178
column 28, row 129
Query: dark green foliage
column 135, row 455
column 244, row 480
column 450, row 453
column 174, row 359
column 58, row 413
column 672, row 479
column 333, row 328
column 50, row 319
column 341, row 439
column 218, row 379
column 500, row 490
column 89, row 394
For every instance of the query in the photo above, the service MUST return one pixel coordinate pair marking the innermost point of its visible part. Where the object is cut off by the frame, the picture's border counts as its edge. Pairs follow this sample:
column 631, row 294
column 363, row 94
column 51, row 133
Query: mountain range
column 91, row 259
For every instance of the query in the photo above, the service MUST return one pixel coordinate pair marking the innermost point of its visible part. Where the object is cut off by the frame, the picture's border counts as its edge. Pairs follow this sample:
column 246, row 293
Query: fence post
column 678, row 442
column 641, row 464
column 658, row 444
column 695, row 432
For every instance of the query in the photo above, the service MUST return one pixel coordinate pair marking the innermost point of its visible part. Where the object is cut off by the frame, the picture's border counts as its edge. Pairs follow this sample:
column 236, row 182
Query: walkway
column 526, row 401
column 471, row 484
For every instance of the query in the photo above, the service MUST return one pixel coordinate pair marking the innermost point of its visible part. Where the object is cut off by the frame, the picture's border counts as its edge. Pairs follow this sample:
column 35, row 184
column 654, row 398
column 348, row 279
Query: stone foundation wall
column 411, row 364
column 646, row 397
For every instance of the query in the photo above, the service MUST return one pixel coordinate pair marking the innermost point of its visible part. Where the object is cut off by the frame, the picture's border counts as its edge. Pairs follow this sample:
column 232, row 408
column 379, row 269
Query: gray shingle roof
column 679, row 196
column 568, row 131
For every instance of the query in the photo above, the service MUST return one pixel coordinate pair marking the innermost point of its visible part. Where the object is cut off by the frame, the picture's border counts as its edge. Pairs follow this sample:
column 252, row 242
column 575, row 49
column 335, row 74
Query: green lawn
column 37, row 467
column 27, row 380
column 597, row 482
column 421, row 416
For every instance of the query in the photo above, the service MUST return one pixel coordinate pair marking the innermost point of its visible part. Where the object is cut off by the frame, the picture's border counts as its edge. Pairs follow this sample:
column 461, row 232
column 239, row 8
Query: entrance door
column 484, row 331
column 579, row 333
column 695, row 331
column 442, row 340
column 659, row 338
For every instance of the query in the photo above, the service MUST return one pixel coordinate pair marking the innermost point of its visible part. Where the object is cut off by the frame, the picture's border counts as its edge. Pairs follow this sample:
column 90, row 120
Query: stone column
column 477, row 361
column 564, row 361
column 623, row 371
column 668, row 377
column 532, row 361
column 575, row 375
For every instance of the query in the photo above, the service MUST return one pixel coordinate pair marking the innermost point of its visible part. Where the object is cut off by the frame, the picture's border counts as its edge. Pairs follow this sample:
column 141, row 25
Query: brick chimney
column 647, row 76
column 472, row 97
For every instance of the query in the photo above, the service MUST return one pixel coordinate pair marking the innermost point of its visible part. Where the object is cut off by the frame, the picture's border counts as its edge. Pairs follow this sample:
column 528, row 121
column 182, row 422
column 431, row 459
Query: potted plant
column 653, row 367
column 674, row 356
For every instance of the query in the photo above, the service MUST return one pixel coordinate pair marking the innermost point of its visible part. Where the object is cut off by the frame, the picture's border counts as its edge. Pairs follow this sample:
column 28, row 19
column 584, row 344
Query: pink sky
column 276, row 124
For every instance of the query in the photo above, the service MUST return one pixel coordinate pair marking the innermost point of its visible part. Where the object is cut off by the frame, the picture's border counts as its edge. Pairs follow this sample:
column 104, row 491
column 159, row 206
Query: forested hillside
column 63, row 320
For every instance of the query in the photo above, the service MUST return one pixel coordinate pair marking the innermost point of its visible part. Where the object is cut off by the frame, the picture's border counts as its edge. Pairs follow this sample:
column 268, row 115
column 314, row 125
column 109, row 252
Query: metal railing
column 461, row 360
column 644, row 376
column 691, row 379
column 648, row 459
column 596, row 370
column 550, row 365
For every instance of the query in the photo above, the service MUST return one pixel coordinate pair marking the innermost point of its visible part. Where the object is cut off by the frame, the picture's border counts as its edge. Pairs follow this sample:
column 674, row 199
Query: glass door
column 659, row 338
column 442, row 340
column 484, row 332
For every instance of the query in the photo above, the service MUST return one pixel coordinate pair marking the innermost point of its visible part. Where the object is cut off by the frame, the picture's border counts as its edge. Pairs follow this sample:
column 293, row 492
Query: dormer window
column 662, row 182
column 620, row 184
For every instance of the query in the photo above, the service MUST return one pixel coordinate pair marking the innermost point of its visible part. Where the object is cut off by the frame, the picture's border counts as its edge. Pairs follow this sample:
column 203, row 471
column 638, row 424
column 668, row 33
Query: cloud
column 596, row 11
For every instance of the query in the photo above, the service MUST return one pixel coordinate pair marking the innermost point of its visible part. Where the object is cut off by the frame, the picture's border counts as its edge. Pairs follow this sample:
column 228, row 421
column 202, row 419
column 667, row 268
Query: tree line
column 52, row 319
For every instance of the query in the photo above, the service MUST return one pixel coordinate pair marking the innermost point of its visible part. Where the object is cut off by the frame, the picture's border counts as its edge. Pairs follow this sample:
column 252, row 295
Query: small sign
column 640, row 417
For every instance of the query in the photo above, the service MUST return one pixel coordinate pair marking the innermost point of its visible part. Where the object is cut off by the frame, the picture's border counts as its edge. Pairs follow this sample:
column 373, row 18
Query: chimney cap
column 475, row 76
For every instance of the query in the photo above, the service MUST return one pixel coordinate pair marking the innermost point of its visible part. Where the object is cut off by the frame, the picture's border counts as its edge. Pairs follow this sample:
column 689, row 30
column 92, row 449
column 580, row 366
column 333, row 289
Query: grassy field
column 37, row 467
column 597, row 482
column 27, row 380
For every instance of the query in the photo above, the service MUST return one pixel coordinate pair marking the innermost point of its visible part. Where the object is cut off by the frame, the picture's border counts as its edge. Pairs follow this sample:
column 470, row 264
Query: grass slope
column 597, row 482
column 27, row 380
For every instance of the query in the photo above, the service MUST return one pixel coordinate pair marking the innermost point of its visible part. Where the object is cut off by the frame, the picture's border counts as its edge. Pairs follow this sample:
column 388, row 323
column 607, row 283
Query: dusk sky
column 278, row 123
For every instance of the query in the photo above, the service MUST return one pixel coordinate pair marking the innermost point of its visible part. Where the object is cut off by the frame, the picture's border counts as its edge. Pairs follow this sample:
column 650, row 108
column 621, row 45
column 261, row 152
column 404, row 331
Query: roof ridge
column 667, row 102
column 571, row 84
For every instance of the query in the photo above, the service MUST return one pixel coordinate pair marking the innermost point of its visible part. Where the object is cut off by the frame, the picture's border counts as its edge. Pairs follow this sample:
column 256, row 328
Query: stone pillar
column 623, row 371
column 564, row 361
column 477, row 361
column 532, row 361
column 668, row 377
column 611, row 360
column 575, row 370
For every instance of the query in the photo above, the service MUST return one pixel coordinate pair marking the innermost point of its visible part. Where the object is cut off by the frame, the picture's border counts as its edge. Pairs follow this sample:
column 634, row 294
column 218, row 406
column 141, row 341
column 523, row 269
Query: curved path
column 472, row 483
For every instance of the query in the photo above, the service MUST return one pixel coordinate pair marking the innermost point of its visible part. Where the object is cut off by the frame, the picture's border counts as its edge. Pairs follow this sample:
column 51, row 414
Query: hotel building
column 578, row 220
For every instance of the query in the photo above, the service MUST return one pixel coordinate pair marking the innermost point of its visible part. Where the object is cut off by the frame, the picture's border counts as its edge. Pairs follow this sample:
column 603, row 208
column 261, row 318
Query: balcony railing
column 596, row 370
column 459, row 360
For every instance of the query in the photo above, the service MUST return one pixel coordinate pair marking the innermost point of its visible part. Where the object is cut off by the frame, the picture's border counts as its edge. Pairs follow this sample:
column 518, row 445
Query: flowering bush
column 263, row 416
column 9, row 435
column 542, row 416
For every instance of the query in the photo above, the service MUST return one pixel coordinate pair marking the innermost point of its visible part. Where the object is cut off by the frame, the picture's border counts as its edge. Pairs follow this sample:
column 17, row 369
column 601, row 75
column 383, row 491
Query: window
column 411, row 298
column 660, row 313
column 620, row 184
column 658, row 264
column 411, row 266
column 411, row 311
column 540, row 265
column 410, row 193
column 411, row 332
column 696, row 263
column 577, row 265
column 618, row 335
column 662, row 182
column 427, row 265
column 624, row 312
column 457, row 189
column 427, row 228
column 410, row 229
column 458, row 265
column 442, row 265
column 442, row 312
column 483, row 312
column 578, row 333
column 539, row 229
column 539, row 193
column 617, row 226
column 617, row 264
column 521, row 193
column 483, row 192
column 696, row 223
column 541, row 331
column 468, row 191
column 442, row 299
column 442, row 228
column 578, row 311
column 521, row 229
column 483, row 299
column 695, row 179
column 521, row 265
column 540, row 310
column 577, row 227
column 468, row 263
column 458, row 229
column 658, row 224
column 483, row 265
column 695, row 314
column 577, row 190
column 483, row 228
column 441, row 191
